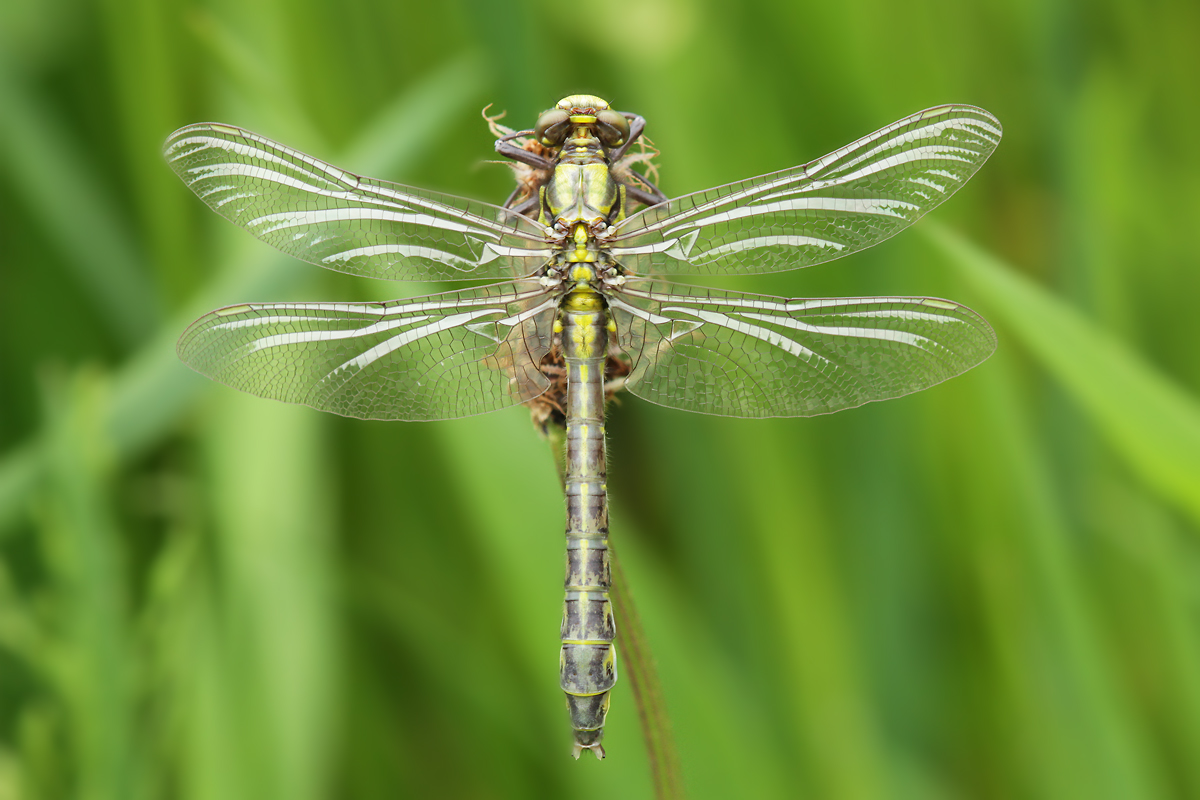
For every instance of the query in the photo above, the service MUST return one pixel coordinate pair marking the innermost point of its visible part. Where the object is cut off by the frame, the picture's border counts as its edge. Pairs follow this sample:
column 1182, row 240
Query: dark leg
column 526, row 206
column 509, row 202
column 509, row 150
column 646, row 199
column 651, row 190
column 637, row 124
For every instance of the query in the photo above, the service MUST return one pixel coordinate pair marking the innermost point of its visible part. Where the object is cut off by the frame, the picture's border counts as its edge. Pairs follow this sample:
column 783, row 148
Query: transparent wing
column 337, row 220
column 438, row 357
column 847, row 201
column 745, row 355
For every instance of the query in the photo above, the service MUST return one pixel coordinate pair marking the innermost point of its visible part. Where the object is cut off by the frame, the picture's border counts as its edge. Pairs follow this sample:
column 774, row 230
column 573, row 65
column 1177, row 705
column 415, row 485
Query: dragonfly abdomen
column 587, row 662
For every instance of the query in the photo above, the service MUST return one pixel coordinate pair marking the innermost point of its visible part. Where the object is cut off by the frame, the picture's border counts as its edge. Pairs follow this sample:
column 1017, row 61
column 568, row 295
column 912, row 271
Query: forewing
column 337, row 220
column 744, row 355
column 847, row 201
column 438, row 357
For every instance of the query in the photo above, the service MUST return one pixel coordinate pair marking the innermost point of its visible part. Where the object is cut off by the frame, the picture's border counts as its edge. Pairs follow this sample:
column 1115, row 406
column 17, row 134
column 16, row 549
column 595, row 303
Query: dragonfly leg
column 643, row 197
column 510, row 150
column 654, row 191
column 515, row 194
column 525, row 206
column 637, row 125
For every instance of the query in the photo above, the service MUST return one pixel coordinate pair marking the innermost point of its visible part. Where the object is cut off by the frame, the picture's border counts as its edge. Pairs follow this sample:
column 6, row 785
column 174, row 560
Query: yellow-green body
column 580, row 199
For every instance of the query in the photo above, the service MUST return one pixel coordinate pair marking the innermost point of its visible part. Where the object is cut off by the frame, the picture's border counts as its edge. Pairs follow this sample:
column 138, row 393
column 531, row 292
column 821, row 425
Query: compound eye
column 552, row 127
column 612, row 127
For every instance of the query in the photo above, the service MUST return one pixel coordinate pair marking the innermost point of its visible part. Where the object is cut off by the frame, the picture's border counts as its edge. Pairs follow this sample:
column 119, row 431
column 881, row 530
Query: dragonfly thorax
column 581, row 187
column 581, row 193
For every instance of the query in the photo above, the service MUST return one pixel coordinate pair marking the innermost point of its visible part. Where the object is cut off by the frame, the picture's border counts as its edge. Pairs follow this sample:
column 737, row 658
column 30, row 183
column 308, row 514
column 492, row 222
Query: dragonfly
column 579, row 303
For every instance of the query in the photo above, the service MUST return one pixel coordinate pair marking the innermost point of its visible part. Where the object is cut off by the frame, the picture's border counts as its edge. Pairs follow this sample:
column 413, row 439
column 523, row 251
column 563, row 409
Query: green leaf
column 1151, row 422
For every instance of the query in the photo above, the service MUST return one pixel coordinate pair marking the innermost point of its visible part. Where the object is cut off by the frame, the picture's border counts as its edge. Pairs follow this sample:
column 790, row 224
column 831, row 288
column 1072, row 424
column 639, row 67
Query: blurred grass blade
column 1151, row 422
column 647, row 689
column 274, row 690
column 143, row 58
column 50, row 171
column 824, row 680
column 256, row 76
column 400, row 134
column 1020, row 511
column 95, row 668
column 152, row 389
column 19, row 474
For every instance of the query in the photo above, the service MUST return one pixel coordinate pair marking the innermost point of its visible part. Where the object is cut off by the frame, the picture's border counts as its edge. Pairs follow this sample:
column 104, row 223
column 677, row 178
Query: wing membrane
column 438, row 357
column 745, row 355
column 847, row 201
column 337, row 220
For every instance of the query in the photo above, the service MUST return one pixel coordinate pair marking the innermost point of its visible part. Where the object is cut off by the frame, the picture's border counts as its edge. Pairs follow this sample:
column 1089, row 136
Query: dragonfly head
column 586, row 116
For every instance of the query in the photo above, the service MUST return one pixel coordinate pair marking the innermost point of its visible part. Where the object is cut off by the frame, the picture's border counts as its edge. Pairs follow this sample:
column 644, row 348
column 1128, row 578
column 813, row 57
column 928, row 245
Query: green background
column 988, row 590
